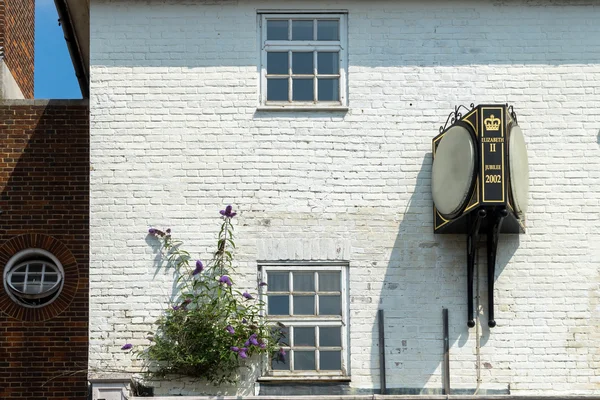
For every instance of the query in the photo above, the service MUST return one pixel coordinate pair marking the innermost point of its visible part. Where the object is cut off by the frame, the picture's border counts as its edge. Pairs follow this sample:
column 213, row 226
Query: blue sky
column 54, row 77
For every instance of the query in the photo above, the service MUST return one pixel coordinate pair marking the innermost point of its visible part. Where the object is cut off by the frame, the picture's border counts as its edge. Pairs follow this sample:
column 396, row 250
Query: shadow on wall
column 425, row 274
column 406, row 34
column 44, row 177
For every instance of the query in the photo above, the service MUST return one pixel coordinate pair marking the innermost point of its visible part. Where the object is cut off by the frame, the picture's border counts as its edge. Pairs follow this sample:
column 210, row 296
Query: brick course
column 44, row 167
column 17, row 33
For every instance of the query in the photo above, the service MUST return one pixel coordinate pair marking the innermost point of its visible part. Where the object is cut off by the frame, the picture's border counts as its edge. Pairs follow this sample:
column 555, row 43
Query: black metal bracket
column 495, row 219
column 494, row 226
column 472, row 240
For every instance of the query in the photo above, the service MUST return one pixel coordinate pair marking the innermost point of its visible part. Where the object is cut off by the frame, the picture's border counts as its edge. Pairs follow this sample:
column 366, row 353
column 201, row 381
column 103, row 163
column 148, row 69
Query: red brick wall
column 44, row 170
column 17, row 28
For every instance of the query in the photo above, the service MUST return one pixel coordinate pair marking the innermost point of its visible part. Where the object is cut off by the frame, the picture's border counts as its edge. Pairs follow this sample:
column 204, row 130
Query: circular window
column 33, row 278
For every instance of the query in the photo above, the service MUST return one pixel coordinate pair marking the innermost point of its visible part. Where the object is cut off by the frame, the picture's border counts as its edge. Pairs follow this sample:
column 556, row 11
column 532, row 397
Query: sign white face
column 453, row 171
column 519, row 170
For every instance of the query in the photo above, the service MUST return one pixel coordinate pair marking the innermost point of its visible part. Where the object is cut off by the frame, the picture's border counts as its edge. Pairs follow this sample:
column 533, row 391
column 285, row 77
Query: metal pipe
column 446, row 352
column 382, row 381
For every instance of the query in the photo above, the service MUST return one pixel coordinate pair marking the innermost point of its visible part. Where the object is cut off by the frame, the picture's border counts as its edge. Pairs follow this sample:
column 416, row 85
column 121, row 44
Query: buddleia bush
column 211, row 327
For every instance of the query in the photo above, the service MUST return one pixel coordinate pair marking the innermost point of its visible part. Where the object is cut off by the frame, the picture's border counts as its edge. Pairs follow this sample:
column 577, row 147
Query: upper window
column 33, row 278
column 303, row 59
column 310, row 300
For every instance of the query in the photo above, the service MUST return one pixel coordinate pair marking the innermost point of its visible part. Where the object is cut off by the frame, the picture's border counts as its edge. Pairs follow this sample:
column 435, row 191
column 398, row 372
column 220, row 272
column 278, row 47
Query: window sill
column 305, row 378
column 303, row 108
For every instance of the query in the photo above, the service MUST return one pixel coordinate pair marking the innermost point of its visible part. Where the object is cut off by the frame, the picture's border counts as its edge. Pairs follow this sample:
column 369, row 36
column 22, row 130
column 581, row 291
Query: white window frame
column 33, row 256
column 340, row 46
column 316, row 321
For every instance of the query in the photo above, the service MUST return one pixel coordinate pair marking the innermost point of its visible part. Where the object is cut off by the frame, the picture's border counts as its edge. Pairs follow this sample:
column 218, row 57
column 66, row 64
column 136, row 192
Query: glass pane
column 50, row 278
column 278, row 282
column 329, row 282
column 303, row 90
column 33, row 288
column 277, row 89
column 304, row 282
column 280, row 361
column 302, row 63
column 304, row 336
column 18, row 286
column 330, row 360
column 302, row 30
column 34, row 277
column 277, row 63
column 328, row 62
column 328, row 30
column 304, row 305
column 329, row 89
column 330, row 336
column 330, row 305
column 279, row 305
column 35, row 268
column 281, row 335
column 304, row 360
column 17, row 278
column 277, row 29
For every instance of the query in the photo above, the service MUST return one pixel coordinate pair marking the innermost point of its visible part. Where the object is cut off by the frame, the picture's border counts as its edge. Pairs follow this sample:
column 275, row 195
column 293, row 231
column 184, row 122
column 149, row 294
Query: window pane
column 304, row 282
column 328, row 62
column 35, row 268
column 277, row 30
column 302, row 30
column 280, row 361
column 278, row 282
column 303, row 90
column 329, row 282
column 302, row 63
column 330, row 336
column 279, row 305
column 277, row 63
column 277, row 89
column 17, row 278
column 304, row 336
column 330, row 360
column 328, row 30
column 304, row 305
column 304, row 360
column 50, row 278
column 329, row 89
column 281, row 335
column 330, row 305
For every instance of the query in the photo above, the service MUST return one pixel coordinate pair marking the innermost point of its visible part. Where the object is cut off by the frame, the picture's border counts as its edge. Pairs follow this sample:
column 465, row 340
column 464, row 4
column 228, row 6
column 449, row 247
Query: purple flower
column 225, row 279
column 152, row 231
column 227, row 212
column 253, row 340
column 247, row 343
column 126, row 346
column 242, row 354
column 261, row 344
column 247, row 296
column 199, row 268
column 244, row 321
column 235, row 349
column 168, row 231
column 230, row 329
column 262, row 284
column 175, row 308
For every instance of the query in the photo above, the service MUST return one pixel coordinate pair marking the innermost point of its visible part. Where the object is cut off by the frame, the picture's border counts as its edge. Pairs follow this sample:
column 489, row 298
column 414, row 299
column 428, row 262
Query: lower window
column 309, row 299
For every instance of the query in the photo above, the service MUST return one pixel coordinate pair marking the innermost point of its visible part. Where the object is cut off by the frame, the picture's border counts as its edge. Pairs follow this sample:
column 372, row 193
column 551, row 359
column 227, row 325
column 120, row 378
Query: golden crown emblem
column 492, row 123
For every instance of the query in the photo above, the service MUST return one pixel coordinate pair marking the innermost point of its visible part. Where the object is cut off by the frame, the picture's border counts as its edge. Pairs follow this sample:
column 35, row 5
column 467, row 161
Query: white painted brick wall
column 175, row 135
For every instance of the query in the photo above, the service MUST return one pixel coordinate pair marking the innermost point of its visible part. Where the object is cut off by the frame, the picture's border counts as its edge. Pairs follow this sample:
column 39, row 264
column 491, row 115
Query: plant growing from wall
column 212, row 327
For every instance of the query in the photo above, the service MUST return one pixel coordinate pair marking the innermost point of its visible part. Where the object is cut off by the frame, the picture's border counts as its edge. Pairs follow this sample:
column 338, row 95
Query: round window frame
column 16, row 261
